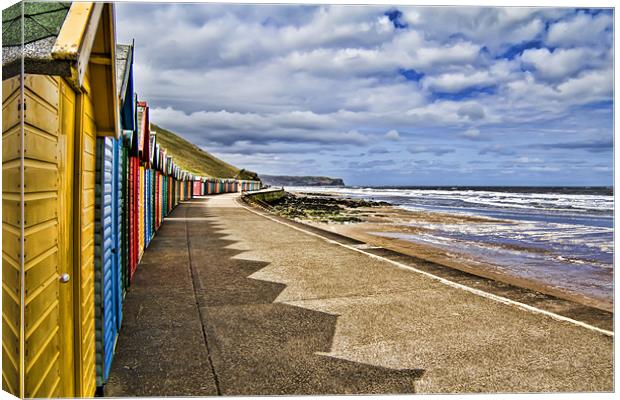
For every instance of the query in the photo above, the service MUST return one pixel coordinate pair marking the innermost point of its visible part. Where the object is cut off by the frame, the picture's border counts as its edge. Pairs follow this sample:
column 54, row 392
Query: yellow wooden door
column 66, row 148
column 84, row 226
column 49, row 137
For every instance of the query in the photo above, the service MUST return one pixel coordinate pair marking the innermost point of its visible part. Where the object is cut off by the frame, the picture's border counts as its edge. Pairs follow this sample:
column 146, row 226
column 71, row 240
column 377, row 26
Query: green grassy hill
column 195, row 160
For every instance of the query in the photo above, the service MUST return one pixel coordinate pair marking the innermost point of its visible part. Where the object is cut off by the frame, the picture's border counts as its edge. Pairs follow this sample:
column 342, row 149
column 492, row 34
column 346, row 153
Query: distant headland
column 274, row 180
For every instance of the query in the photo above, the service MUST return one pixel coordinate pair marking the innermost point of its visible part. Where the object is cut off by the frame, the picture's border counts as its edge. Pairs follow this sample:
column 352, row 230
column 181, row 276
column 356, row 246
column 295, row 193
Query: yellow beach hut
column 58, row 95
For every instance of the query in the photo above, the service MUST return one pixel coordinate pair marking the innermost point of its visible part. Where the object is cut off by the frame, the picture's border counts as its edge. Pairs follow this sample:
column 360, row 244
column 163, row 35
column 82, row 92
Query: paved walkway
column 227, row 302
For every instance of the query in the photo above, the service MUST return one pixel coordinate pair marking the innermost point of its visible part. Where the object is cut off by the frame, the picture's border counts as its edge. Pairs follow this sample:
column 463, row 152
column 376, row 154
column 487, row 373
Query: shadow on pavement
column 260, row 347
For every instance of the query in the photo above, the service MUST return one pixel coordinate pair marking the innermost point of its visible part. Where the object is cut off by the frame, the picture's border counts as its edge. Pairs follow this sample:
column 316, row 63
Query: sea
column 562, row 237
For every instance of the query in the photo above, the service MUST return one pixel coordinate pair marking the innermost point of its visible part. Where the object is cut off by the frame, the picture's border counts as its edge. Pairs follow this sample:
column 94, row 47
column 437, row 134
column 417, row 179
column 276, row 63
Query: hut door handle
column 64, row 278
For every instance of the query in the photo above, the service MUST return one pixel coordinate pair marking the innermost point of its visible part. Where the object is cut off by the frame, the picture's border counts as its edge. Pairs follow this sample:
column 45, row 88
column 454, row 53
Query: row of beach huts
column 86, row 186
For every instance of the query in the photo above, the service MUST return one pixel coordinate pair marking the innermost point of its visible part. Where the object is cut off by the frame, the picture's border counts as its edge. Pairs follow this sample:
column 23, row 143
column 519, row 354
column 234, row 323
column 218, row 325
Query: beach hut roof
column 124, row 85
column 144, row 131
column 66, row 39
column 41, row 24
column 55, row 36
column 124, row 59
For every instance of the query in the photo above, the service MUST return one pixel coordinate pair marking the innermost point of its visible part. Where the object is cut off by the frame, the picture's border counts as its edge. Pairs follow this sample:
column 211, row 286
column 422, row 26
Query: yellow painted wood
column 49, row 324
column 11, row 110
column 9, row 86
column 11, row 276
column 92, row 27
column 76, row 38
column 40, row 145
column 40, row 207
column 49, row 337
column 11, row 247
column 11, row 143
column 84, row 289
column 39, row 270
column 44, row 150
column 10, row 186
column 43, row 86
column 10, row 336
column 41, row 262
column 101, row 59
column 88, row 89
column 12, row 322
column 73, row 31
column 40, row 114
column 39, row 239
column 37, row 177
column 66, row 139
column 10, row 364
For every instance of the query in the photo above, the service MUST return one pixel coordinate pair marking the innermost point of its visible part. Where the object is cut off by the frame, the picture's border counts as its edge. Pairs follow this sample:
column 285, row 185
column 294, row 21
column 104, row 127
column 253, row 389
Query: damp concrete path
column 229, row 302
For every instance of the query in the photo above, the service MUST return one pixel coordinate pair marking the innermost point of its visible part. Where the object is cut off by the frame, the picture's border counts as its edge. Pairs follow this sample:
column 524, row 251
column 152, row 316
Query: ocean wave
column 536, row 201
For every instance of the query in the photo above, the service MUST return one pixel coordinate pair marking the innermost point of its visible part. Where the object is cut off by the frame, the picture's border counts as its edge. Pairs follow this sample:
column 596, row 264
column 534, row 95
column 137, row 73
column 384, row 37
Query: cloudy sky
column 382, row 95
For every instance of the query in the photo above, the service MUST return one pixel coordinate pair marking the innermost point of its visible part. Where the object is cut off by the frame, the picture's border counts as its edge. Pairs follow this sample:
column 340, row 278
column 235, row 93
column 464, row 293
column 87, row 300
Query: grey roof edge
column 37, row 59
column 128, row 61
column 35, row 66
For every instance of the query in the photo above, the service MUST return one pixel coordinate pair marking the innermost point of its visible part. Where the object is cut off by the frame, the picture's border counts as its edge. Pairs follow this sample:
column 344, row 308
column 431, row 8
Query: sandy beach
column 380, row 224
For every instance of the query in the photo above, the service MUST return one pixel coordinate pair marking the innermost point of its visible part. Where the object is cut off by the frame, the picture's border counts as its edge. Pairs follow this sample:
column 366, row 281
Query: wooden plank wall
column 11, row 234
column 41, row 237
column 42, row 336
column 84, row 255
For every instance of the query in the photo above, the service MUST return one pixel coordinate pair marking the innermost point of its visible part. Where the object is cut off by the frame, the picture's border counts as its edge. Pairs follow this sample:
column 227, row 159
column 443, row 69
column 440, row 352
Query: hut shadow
column 259, row 347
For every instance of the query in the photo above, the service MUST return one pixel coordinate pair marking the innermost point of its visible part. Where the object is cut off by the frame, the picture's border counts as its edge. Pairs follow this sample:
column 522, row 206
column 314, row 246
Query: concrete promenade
column 227, row 302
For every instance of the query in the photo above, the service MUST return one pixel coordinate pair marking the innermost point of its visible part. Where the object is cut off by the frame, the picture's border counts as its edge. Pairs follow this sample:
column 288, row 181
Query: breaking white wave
column 540, row 201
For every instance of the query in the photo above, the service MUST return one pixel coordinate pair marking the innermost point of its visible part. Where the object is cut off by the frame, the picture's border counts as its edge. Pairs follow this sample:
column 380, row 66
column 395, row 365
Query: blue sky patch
column 396, row 17
column 517, row 49
column 464, row 94
column 411, row 74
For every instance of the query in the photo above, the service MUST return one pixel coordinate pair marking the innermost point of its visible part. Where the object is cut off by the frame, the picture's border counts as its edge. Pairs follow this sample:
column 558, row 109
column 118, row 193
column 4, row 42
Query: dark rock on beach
column 321, row 207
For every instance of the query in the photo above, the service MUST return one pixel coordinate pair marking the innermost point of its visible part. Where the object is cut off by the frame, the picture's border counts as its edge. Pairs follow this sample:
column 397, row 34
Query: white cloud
column 543, row 169
column 496, row 27
column 587, row 87
column 225, row 127
column 436, row 150
column 392, row 134
column 456, row 82
column 591, row 86
column 528, row 160
column 559, row 64
column 472, row 133
column 460, row 53
column 450, row 113
column 473, row 111
column 580, row 30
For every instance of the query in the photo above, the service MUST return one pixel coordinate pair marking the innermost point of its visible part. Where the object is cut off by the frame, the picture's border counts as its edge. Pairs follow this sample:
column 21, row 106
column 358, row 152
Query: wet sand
column 366, row 224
